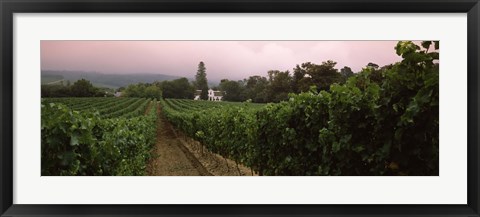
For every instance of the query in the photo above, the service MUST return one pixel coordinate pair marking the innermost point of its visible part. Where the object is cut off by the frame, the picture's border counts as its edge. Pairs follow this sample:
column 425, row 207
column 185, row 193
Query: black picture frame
column 9, row 7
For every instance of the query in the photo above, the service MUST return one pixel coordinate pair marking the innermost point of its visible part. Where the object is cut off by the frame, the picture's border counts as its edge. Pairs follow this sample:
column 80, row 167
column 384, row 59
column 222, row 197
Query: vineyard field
column 109, row 107
column 186, row 105
column 374, row 124
column 97, row 136
column 320, row 121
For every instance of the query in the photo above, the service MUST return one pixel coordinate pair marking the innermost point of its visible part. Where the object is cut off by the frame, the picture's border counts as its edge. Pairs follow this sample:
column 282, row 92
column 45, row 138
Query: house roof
column 215, row 92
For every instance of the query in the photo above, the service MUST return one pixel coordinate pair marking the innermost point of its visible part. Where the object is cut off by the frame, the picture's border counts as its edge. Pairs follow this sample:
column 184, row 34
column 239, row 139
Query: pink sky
column 223, row 59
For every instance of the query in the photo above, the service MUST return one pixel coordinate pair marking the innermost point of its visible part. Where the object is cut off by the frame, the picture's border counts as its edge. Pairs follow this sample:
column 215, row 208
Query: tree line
column 275, row 87
column 80, row 88
column 279, row 84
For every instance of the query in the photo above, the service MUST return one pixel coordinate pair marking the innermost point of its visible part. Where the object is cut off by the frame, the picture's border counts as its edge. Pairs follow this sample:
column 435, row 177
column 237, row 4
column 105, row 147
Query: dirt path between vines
column 168, row 157
column 149, row 106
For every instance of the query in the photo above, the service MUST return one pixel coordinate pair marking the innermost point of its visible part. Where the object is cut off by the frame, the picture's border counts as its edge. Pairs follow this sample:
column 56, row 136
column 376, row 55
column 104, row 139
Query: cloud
column 224, row 59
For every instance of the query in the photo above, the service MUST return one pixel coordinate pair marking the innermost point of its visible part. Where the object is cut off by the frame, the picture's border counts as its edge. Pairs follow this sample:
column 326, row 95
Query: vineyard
column 105, row 136
column 371, row 125
column 376, row 122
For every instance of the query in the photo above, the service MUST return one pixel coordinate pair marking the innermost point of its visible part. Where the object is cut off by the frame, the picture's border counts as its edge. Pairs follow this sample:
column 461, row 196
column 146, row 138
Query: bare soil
column 175, row 154
column 168, row 157
column 150, row 104
column 214, row 163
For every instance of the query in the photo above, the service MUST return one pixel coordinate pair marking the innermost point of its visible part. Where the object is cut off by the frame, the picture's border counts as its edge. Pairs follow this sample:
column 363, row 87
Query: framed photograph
column 233, row 108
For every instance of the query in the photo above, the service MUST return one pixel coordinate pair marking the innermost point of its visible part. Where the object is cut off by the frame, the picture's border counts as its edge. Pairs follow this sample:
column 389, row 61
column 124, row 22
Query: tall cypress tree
column 201, row 81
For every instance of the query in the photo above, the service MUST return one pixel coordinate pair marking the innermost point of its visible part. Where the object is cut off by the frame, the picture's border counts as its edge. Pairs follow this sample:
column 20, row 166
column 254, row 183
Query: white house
column 197, row 95
column 118, row 94
column 213, row 95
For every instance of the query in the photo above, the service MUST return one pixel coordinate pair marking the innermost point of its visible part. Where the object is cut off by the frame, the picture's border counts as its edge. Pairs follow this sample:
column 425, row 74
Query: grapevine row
column 107, row 107
column 84, row 143
column 364, row 127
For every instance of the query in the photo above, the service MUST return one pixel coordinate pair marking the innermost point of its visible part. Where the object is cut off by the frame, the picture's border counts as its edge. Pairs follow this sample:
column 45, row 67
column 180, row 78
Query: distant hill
column 103, row 80
column 51, row 79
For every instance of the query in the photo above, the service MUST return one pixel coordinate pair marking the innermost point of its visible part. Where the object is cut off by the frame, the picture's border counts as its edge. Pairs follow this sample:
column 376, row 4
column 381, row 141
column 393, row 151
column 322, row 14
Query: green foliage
column 143, row 90
column 322, row 76
column 152, row 92
column 373, row 65
column 83, row 143
column 81, row 88
column 55, row 91
column 232, row 90
column 385, row 124
column 107, row 107
column 410, row 104
column 177, row 89
column 279, row 85
column 256, row 89
column 201, row 82
column 346, row 72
